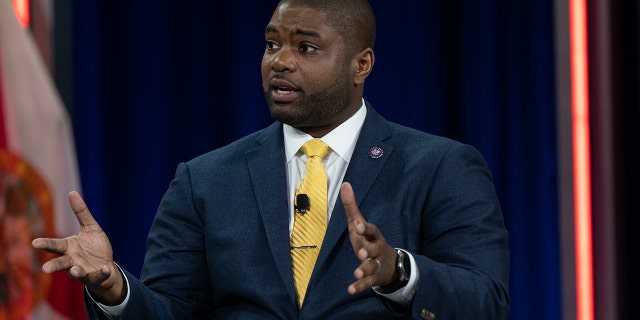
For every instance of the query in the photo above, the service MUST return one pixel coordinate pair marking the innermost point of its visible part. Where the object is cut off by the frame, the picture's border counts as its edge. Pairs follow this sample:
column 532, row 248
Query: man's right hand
column 87, row 256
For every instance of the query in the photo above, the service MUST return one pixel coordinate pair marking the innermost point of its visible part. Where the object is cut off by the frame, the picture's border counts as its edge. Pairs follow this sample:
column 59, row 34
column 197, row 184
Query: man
column 412, row 226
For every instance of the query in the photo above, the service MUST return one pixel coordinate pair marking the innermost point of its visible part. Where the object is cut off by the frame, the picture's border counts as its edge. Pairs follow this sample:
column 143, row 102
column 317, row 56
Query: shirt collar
column 341, row 140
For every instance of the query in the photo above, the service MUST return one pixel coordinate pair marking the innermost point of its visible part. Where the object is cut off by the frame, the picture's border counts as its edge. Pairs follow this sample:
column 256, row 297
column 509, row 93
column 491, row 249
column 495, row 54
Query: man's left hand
column 378, row 259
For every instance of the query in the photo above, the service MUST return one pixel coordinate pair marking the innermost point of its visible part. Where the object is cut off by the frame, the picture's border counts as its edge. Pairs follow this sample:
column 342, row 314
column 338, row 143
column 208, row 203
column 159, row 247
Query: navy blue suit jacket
column 219, row 245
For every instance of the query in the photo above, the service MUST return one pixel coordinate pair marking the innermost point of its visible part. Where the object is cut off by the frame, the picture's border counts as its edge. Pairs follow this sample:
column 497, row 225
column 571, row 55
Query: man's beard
column 316, row 110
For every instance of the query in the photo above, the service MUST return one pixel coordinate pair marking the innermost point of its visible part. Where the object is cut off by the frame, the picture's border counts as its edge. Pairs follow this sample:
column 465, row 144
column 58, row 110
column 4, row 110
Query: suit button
column 427, row 315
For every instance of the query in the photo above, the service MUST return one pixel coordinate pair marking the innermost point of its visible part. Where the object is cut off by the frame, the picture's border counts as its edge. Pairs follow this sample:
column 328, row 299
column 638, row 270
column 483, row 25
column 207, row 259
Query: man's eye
column 307, row 48
column 271, row 45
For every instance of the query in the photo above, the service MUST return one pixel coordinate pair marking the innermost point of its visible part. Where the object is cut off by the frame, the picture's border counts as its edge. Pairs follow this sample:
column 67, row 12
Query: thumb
column 81, row 211
column 354, row 216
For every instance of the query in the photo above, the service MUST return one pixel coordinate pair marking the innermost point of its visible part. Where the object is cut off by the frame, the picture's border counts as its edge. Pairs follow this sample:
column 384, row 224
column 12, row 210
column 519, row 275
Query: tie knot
column 315, row 148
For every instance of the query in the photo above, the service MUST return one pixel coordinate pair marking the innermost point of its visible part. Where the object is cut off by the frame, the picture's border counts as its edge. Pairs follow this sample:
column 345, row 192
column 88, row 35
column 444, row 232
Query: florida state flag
column 37, row 170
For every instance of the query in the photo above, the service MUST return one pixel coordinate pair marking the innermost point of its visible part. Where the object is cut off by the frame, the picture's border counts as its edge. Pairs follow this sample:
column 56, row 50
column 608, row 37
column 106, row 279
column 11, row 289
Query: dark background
column 152, row 83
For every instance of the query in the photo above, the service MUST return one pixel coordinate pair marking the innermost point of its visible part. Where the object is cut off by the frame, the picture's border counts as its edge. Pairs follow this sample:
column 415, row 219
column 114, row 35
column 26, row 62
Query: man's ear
column 363, row 62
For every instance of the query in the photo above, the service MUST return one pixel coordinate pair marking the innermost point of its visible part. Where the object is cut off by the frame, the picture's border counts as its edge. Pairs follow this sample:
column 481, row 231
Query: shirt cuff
column 404, row 294
column 112, row 312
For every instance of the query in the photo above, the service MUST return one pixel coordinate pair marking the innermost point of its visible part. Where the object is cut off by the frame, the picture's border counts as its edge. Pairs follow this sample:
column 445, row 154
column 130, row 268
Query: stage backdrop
column 159, row 82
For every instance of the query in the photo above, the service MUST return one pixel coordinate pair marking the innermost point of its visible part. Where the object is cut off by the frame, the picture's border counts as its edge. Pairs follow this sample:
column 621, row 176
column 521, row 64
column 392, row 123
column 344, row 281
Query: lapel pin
column 375, row 152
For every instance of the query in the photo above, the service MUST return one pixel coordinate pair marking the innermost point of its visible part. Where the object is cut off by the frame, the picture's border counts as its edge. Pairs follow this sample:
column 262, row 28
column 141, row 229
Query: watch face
column 404, row 266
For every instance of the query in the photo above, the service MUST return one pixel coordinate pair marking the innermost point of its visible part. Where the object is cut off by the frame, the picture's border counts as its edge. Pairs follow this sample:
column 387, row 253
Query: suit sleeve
column 174, row 283
column 463, row 256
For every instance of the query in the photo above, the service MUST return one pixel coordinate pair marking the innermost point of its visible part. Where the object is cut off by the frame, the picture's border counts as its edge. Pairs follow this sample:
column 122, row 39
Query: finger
column 364, row 254
column 90, row 279
column 361, row 285
column 371, row 232
column 355, row 221
column 79, row 207
column 369, row 266
column 354, row 217
column 77, row 272
column 57, row 264
column 373, row 244
column 51, row 245
column 368, row 274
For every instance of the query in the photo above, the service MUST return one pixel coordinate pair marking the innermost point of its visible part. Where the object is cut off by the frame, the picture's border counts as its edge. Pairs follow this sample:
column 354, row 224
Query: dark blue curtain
column 159, row 82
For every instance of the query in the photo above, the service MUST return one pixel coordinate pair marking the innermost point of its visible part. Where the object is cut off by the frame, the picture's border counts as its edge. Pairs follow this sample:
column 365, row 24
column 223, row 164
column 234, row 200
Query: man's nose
column 284, row 60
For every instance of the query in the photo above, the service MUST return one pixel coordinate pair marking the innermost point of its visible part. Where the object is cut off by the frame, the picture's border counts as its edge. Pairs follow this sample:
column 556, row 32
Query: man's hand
column 378, row 259
column 87, row 256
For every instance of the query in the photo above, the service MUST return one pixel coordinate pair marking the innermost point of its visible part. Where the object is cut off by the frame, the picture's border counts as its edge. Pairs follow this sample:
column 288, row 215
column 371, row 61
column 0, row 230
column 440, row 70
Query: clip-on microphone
column 302, row 203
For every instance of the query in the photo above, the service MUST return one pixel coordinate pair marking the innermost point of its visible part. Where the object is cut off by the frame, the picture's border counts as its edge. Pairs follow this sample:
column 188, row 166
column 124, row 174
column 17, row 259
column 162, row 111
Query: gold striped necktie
column 310, row 223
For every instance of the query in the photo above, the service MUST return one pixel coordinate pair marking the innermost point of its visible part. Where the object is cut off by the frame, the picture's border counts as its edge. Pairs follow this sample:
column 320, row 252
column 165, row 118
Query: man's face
column 306, row 77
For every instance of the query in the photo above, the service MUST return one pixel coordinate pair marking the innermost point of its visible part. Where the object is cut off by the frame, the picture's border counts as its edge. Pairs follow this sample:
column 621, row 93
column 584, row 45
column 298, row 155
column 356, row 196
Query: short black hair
column 354, row 20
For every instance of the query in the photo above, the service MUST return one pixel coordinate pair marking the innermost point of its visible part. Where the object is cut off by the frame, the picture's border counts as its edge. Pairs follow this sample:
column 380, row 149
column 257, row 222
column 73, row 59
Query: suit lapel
column 362, row 172
column 267, row 167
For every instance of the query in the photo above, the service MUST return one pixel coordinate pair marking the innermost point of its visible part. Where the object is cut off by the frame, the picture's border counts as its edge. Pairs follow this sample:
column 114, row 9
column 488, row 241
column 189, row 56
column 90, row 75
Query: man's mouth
column 283, row 91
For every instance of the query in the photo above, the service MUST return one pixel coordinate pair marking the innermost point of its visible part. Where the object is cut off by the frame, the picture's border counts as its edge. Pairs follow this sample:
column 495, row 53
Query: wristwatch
column 403, row 264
